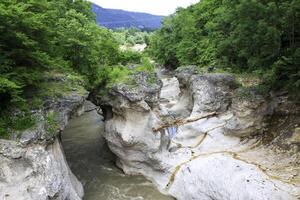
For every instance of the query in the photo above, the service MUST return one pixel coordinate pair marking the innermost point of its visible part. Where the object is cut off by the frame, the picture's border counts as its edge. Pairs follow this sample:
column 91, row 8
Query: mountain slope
column 114, row 18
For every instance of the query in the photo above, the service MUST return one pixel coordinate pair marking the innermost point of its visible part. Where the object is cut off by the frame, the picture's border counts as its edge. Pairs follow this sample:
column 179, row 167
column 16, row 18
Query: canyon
column 194, row 135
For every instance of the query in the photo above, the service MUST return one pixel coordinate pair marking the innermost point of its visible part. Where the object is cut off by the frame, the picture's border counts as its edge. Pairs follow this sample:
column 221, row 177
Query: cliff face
column 217, row 151
column 32, row 163
column 36, row 172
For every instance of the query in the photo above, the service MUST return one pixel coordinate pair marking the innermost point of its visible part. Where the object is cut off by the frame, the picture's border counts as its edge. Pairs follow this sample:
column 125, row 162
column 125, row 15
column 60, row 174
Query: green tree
column 243, row 35
column 42, row 36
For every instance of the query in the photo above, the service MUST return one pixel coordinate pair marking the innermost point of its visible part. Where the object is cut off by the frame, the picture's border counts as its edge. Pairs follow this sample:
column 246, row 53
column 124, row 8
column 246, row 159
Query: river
column 94, row 165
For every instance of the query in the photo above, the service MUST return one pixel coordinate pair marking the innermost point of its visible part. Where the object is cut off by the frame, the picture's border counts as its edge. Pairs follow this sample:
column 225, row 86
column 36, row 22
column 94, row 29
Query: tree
column 243, row 35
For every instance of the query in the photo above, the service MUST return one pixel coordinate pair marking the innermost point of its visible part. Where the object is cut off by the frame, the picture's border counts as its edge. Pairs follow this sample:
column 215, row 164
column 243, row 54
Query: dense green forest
column 131, row 36
column 243, row 36
column 40, row 38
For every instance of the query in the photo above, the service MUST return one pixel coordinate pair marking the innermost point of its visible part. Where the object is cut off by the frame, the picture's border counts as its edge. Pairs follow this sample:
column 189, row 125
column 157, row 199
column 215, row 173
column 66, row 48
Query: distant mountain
column 114, row 18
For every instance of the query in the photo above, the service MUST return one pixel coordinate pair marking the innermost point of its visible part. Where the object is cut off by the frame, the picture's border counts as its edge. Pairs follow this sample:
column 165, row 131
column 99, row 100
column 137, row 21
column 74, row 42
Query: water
column 92, row 162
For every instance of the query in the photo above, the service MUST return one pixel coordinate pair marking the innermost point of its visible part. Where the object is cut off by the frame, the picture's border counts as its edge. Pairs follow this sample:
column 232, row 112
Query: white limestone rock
column 32, row 163
column 207, row 159
column 36, row 172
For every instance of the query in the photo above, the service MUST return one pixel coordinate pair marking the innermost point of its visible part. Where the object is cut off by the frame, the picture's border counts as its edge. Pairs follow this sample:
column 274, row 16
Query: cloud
column 159, row 7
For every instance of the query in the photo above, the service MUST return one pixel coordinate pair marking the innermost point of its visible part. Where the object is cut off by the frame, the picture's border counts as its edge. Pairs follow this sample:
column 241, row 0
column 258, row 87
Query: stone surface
column 223, row 177
column 208, row 158
column 296, row 136
column 32, row 163
column 36, row 172
column 249, row 116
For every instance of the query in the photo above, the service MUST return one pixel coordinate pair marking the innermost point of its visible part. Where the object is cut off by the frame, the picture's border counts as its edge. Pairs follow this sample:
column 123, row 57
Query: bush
column 145, row 66
column 130, row 57
column 52, row 124
column 20, row 122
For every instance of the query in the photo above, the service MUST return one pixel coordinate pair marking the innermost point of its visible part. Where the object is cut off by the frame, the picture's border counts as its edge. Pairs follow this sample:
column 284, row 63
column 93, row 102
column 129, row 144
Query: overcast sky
column 158, row 7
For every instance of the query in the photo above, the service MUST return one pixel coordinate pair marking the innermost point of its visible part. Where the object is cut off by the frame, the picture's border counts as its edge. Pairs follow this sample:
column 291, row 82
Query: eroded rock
column 36, row 172
column 32, row 163
column 208, row 158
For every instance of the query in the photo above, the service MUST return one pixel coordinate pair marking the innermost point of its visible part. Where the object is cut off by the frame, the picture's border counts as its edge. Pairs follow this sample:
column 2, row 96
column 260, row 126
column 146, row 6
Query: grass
column 146, row 66
column 56, row 85
column 118, row 75
column 19, row 122
column 115, row 75
column 52, row 124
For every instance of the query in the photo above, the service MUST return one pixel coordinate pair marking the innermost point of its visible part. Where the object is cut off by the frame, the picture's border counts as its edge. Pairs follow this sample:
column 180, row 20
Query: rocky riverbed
column 221, row 156
column 94, row 164
column 194, row 135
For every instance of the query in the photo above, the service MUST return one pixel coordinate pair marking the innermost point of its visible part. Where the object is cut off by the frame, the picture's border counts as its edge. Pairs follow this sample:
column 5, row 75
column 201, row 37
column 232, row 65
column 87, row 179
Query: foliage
column 51, row 125
column 130, row 57
column 85, row 45
column 145, row 66
column 131, row 36
column 120, row 74
column 245, row 36
column 20, row 122
column 39, row 37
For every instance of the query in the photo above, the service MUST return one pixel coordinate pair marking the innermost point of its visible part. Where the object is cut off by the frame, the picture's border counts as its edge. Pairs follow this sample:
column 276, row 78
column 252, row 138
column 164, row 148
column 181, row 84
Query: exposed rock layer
column 207, row 159
column 32, row 164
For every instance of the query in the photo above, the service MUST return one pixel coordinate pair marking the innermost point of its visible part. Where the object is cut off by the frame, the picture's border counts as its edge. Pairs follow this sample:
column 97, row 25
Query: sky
column 158, row 7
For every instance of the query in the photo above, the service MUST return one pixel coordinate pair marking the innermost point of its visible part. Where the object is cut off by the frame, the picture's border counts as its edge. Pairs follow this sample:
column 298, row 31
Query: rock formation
column 219, row 157
column 32, row 162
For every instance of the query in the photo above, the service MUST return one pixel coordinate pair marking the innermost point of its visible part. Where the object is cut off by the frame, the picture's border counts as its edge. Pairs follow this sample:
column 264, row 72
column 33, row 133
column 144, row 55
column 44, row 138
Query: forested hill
column 43, row 41
column 113, row 18
column 249, row 36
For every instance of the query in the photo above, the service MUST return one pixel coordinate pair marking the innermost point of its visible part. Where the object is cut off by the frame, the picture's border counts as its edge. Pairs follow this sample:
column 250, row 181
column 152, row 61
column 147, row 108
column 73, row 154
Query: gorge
column 204, row 108
column 220, row 149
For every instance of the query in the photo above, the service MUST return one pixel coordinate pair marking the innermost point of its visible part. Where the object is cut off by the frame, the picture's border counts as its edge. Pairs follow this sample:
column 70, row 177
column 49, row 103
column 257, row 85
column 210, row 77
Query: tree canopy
column 39, row 36
column 242, row 35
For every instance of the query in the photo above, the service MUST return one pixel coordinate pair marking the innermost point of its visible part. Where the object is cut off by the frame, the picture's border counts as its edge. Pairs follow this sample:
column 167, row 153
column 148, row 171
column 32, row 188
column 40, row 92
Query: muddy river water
column 94, row 165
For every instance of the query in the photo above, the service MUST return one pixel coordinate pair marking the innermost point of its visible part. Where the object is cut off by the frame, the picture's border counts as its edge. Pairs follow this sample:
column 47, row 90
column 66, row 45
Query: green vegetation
column 131, row 57
column 112, row 75
column 50, row 49
column 19, row 122
column 244, row 36
column 39, row 36
column 145, row 66
column 132, row 36
column 51, row 125
column 61, row 85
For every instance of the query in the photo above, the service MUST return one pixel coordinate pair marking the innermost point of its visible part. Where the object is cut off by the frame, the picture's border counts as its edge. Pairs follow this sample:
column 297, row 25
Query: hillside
column 114, row 18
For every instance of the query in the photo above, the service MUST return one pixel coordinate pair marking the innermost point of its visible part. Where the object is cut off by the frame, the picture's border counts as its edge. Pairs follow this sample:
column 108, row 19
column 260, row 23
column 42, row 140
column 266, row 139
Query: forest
column 238, row 36
column 42, row 37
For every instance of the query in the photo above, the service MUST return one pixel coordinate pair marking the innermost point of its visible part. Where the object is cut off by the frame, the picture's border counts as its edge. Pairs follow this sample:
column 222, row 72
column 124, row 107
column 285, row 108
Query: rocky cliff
column 196, row 137
column 32, row 162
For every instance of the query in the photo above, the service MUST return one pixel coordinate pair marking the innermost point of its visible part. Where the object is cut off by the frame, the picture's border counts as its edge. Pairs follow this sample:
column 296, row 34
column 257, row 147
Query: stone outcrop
column 32, row 162
column 36, row 172
column 212, row 158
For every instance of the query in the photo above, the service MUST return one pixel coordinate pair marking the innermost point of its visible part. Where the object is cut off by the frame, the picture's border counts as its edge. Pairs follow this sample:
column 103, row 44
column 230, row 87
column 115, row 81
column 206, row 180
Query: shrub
column 52, row 124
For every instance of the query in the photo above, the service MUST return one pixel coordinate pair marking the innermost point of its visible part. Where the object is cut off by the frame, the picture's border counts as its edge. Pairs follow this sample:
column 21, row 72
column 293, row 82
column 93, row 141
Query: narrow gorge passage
column 94, row 165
